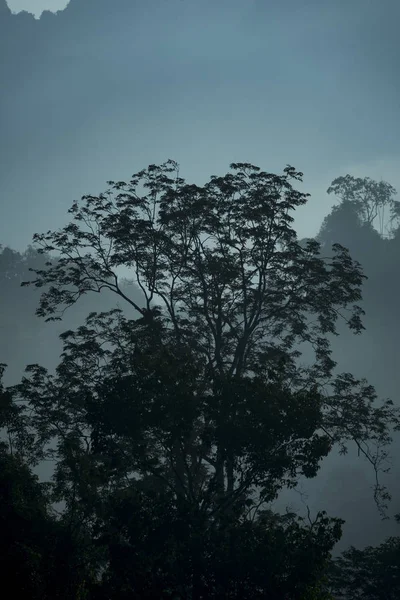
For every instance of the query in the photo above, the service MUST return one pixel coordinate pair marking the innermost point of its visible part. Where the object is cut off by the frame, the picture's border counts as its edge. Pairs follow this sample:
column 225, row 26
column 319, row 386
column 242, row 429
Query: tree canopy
column 372, row 200
column 368, row 574
column 172, row 432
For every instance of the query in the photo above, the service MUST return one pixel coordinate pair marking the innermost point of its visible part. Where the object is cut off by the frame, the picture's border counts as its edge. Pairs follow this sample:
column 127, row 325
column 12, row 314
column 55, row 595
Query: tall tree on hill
column 366, row 223
column 372, row 201
column 195, row 416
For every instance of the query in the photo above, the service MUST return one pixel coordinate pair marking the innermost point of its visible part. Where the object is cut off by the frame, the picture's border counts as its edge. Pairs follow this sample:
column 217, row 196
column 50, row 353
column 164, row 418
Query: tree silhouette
column 370, row 199
column 368, row 574
column 170, row 441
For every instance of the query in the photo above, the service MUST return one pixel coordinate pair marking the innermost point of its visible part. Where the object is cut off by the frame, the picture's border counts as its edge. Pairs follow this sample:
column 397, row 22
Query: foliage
column 345, row 226
column 369, row 199
column 171, row 433
column 24, row 337
column 42, row 556
column 271, row 557
column 368, row 574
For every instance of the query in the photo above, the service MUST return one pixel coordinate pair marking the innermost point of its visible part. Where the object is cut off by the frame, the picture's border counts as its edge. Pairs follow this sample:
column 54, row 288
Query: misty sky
column 105, row 87
column 36, row 7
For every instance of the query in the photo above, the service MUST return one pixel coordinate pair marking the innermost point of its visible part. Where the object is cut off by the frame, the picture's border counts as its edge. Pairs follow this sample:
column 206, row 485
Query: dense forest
column 173, row 362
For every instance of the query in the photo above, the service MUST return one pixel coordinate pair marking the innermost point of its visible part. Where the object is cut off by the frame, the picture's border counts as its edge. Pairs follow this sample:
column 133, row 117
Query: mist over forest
column 343, row 487
column 101, row 90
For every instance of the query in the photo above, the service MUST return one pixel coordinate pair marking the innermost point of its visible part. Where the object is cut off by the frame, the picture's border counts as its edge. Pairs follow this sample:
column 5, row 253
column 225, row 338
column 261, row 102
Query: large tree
column 200, row 411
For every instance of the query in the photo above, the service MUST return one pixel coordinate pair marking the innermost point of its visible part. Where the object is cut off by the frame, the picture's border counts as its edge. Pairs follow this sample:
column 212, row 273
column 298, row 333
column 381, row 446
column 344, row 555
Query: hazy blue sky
column 106, row 87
